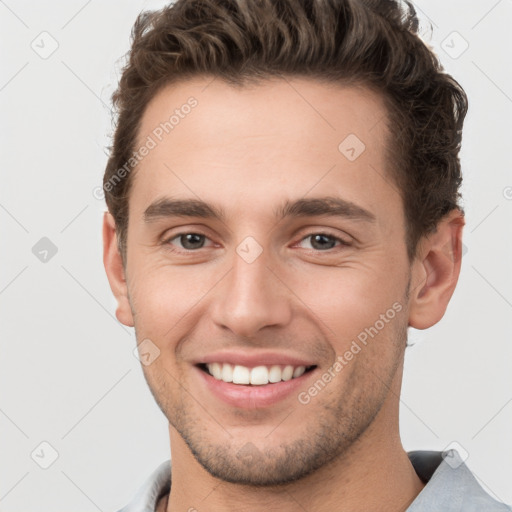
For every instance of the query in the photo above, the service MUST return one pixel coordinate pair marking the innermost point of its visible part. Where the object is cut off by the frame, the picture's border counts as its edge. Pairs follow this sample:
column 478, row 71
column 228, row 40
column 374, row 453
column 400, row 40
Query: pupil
column 191, row 240
column 329, row 239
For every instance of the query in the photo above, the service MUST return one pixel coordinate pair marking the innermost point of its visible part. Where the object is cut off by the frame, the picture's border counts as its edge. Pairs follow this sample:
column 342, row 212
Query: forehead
column 293, row 107
column 260, row 142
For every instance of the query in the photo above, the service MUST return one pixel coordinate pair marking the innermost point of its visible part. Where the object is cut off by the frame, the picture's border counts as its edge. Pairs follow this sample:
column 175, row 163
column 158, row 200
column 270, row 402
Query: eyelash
column 342, row 243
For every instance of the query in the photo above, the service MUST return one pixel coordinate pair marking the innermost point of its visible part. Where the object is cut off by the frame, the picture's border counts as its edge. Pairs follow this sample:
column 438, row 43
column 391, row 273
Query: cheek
column 164, row 298
column 352, row 303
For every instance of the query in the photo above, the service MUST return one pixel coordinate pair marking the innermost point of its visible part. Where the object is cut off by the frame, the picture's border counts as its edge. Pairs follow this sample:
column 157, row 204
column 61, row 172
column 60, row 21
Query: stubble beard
column 332, row 426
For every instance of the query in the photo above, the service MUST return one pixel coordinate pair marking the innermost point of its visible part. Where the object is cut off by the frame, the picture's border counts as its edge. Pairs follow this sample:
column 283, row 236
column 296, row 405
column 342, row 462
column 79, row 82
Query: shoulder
column 147, row 496
column 450, row 485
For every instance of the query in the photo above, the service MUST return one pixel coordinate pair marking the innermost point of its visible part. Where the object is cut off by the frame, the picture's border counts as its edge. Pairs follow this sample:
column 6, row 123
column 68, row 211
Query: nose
column 251, row 297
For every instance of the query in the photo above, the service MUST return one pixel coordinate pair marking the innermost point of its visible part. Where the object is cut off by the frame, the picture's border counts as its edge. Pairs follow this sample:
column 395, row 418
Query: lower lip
column 253, row 397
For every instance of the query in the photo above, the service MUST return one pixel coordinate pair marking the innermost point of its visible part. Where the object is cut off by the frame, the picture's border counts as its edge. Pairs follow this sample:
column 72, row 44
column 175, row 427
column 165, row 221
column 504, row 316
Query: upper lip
column 260, row 358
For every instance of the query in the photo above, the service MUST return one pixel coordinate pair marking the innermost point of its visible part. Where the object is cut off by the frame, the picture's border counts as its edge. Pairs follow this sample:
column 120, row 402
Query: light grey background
column 68, row 375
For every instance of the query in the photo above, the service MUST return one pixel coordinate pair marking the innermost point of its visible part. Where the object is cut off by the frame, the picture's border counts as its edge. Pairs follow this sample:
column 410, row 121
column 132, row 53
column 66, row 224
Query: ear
column 435, row 272
column 115, row 270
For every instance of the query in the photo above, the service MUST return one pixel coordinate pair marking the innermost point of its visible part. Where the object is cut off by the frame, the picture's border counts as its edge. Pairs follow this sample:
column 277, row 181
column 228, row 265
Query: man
column 283, row 204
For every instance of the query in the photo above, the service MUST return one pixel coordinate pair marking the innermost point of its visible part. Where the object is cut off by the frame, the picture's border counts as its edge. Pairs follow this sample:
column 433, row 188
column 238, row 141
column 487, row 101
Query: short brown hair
column 373, row 43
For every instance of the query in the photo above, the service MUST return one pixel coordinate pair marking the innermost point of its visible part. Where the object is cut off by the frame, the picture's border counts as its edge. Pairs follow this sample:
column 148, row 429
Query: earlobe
column 436, row 272
column 115, row 270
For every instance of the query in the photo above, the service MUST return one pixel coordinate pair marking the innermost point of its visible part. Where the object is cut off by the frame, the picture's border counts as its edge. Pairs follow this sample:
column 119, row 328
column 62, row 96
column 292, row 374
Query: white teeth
column 227, row 373
column 287, row 373
column 299, row 371
column 274, row 375
column 215, row 370
column 257, row 376
column 241, row 375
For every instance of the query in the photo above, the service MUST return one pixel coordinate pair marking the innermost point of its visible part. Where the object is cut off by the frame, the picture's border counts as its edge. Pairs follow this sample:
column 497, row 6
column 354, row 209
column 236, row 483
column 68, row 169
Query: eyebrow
column 304, row 207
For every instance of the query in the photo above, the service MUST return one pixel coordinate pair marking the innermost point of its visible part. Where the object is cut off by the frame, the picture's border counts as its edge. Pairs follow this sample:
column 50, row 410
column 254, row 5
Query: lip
column 261, row 358
column 252, row 397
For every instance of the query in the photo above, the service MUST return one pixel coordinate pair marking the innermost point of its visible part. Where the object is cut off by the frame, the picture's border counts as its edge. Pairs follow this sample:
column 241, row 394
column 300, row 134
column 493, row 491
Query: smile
column 256, row 376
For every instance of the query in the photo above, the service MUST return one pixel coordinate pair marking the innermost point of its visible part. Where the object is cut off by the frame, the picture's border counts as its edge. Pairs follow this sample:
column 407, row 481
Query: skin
column 246, row 151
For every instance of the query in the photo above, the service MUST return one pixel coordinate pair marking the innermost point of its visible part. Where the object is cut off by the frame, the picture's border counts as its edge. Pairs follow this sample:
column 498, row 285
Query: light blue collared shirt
column 450, row 486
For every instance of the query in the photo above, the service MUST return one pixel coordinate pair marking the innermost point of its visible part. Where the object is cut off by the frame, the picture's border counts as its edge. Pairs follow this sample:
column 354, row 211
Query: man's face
column 254, row 288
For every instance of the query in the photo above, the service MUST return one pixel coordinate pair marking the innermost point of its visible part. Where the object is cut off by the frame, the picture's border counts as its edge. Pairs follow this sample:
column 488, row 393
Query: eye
column 192, row 241
column 323, row 241
column 188, row 241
